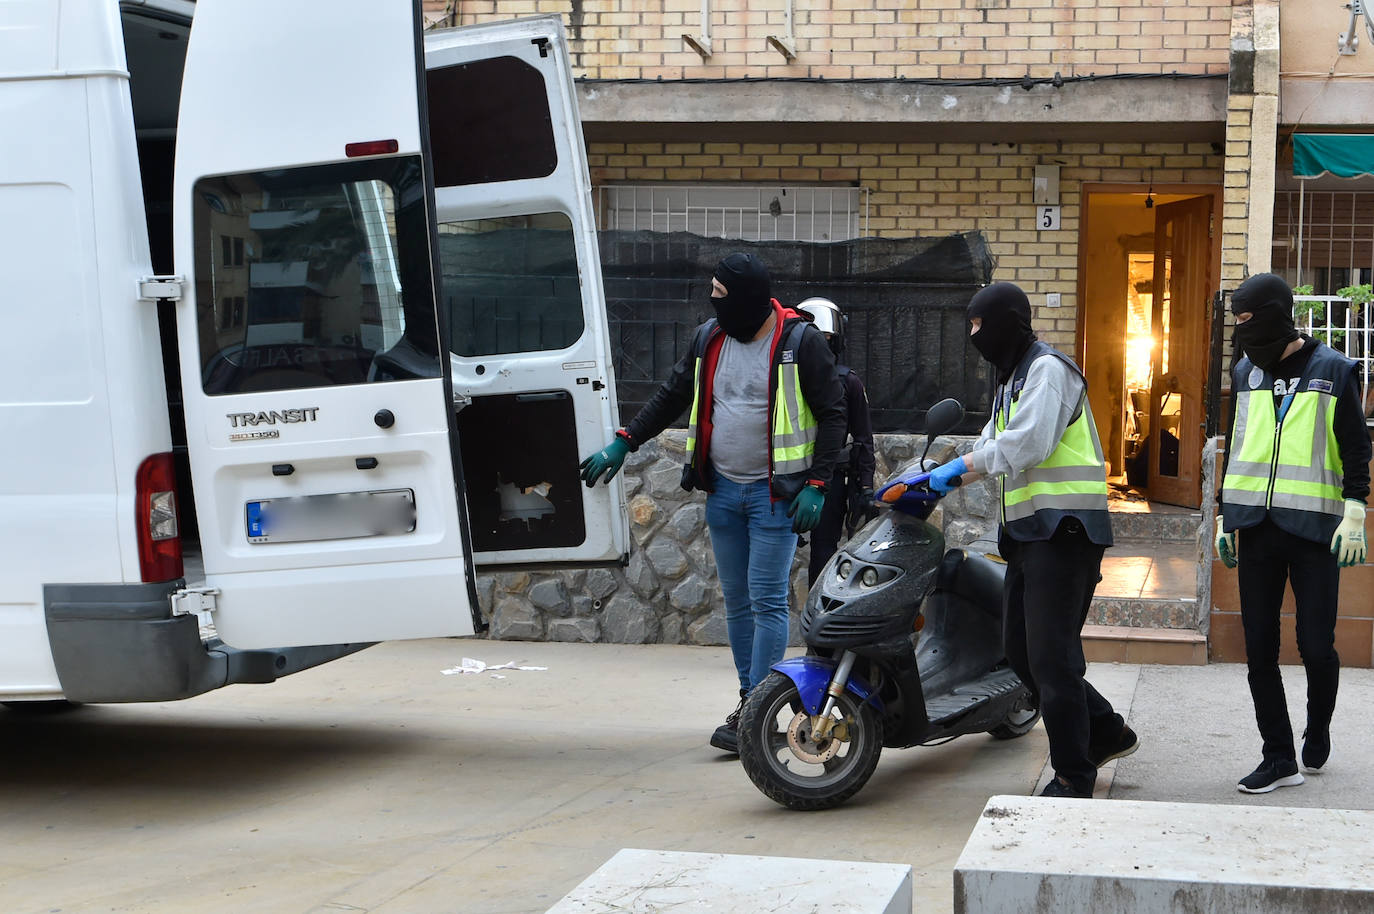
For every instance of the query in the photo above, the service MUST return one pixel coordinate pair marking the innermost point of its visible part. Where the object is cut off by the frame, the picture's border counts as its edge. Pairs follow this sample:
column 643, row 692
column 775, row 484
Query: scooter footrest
column 961, row 699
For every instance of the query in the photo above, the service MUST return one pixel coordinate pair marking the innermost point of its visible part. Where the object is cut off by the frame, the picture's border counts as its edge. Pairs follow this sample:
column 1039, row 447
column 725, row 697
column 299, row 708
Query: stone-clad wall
column 669, row 593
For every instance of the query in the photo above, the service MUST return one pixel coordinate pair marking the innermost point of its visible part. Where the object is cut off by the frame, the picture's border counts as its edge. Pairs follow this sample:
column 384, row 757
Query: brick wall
column 880, row 39
column 936, row 189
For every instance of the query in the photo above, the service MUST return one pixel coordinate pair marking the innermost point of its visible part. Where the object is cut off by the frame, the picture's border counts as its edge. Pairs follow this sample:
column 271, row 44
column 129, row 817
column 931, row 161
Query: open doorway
column 1148, row 262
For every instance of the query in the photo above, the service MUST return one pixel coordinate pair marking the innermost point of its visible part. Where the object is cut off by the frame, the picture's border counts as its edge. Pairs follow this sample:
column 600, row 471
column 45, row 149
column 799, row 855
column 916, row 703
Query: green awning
column 1345, row 155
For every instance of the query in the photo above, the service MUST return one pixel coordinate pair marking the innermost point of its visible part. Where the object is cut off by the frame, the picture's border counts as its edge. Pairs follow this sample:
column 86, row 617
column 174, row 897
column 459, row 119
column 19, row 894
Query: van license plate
column 346, row 515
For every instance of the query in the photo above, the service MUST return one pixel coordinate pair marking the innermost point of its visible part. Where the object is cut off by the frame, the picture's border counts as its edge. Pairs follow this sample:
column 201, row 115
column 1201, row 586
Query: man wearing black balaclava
column 763, row 455
column 1292, row 512
column 1043, row 444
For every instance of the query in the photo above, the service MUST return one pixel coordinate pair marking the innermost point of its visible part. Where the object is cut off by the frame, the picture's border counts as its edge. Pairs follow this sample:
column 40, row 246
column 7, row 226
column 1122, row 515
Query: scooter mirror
column 941, row 419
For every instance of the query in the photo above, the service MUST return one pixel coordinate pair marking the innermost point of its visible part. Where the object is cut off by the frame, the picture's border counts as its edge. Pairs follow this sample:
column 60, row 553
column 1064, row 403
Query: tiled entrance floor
column 1152, row 571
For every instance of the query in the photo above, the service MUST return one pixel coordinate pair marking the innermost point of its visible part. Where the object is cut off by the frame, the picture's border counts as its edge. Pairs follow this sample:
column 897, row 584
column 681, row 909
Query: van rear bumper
column 120, row 643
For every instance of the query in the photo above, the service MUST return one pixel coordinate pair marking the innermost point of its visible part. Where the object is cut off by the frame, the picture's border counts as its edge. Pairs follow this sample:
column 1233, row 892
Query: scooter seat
column 972, row 577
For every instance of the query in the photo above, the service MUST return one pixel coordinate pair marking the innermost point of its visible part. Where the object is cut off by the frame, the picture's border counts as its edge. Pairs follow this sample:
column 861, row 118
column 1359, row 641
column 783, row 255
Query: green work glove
column 806, row 509
column 1226, row 546
column 607, row 461
column 1348, row 543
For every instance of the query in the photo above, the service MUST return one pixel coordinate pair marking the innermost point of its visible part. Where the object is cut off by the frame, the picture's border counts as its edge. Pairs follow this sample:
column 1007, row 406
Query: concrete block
column 647, row 882
column 1087, row 856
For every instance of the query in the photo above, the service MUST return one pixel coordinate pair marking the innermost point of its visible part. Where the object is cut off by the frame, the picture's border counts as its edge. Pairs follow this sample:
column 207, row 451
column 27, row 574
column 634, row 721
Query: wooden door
column 1182, row 287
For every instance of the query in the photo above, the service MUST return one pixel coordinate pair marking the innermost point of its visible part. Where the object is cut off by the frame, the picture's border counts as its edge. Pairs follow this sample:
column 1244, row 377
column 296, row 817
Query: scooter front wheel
column 786, row 760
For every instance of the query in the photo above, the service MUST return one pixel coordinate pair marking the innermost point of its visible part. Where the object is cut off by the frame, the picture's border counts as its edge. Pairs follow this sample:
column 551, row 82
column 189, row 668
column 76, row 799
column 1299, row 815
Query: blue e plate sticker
column 788, row 356
column 1320, row 384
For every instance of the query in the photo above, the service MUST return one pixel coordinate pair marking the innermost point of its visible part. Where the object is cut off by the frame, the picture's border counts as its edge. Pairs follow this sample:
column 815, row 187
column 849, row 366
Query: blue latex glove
column 608, row 460
column 944, row 478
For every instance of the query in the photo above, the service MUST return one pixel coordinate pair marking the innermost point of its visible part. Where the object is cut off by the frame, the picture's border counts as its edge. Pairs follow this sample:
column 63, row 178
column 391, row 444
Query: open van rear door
column 317, row 392
column 522, row 289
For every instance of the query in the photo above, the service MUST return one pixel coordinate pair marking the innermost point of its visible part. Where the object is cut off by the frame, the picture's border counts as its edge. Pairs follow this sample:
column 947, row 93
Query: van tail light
column 159, row 536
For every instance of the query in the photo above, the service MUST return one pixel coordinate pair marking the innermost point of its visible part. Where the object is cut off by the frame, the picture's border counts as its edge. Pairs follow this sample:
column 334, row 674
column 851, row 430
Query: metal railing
column 746, row 212
column 1345, row 328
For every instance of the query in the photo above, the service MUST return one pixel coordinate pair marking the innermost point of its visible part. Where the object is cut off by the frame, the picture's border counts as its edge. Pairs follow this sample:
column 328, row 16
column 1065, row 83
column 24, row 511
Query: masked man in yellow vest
column 766, row 426
column 1292, row 508
column 1043, row 444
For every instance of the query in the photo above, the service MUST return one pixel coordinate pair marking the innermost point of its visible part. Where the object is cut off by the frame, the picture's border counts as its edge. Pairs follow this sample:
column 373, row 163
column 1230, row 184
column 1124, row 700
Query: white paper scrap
column 470, row 665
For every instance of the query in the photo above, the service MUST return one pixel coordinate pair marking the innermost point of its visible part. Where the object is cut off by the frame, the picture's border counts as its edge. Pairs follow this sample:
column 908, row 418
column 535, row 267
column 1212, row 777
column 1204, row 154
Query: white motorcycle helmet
column 828, row 318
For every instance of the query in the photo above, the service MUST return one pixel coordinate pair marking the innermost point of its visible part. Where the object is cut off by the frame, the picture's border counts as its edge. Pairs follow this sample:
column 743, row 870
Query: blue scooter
column 904, row 648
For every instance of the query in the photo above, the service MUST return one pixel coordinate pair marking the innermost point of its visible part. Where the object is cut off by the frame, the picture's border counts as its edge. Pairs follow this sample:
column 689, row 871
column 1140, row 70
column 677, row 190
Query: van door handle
column 365, row 463
column 282, row 469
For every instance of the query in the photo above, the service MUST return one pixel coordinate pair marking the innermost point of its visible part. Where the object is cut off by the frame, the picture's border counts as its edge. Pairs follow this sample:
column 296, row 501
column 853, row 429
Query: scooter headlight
column 843, row 570
column 869, row 578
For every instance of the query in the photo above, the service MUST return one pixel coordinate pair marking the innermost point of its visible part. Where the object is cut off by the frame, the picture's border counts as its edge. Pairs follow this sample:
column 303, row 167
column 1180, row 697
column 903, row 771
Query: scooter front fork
column 823, row 725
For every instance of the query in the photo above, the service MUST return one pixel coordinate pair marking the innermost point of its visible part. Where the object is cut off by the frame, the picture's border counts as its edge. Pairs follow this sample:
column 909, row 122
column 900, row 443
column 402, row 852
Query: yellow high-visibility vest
column 1286, row 464
column 1071, row 482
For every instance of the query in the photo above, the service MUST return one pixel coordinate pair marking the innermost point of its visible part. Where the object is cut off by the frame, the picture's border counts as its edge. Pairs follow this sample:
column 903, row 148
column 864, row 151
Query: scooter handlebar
column 910, row 495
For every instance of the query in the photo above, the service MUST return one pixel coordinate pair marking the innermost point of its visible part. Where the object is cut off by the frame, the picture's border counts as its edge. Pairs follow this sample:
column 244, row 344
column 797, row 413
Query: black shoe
column 1270, row 774
column 1316, row 746
column 726, row 737
column 1121, row 747
column 1062, row 788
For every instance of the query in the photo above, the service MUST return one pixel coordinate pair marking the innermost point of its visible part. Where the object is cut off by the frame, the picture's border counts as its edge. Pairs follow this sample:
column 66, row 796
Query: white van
column 339, row 277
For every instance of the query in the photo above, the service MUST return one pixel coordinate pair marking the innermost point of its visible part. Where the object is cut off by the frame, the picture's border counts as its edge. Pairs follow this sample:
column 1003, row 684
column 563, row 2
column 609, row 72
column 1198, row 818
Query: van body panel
column 67, row 509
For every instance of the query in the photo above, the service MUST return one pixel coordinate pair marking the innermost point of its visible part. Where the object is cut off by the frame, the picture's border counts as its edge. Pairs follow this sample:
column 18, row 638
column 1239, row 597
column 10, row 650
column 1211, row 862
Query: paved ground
column 377, row 784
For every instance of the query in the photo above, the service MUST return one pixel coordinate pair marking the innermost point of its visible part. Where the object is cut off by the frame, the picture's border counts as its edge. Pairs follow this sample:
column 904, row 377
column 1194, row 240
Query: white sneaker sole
column 1122, row 754
column 1292, row 780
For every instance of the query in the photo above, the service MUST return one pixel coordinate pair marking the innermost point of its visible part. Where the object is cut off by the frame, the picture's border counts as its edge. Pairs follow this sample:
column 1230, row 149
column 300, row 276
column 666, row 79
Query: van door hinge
column 190, row 601
column 160, row 288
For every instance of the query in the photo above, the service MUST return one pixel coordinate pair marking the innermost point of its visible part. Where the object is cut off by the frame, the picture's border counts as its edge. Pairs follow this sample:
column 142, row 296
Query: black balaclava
column 747, row 302
column 1005, row 333
column 1270, row 327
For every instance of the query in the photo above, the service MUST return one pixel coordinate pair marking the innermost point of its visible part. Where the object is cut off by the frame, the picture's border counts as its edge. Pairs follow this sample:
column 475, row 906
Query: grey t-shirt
column 739, row 410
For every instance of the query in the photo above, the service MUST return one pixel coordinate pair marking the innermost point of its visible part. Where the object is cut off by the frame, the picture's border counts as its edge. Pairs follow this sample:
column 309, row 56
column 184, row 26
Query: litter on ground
column 469, row 665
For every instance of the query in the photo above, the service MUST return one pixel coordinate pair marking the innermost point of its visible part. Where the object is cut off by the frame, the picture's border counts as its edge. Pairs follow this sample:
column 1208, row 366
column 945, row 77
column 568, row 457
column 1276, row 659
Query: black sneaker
column 1316, row 746
column 1121, row 747
column 1270, row 774
column 726, row 737
column 1062, row 788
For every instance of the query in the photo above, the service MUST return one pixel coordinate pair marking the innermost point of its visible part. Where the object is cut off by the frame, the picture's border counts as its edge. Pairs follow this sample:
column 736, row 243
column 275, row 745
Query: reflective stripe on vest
column 794, row 425
column 1290, row 465
column 1072, row 480
column 696, row 410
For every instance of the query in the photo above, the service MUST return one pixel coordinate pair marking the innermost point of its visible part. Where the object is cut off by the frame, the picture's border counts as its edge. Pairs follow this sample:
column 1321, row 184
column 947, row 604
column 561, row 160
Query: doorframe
column 1214, row 191
column 1080, row 341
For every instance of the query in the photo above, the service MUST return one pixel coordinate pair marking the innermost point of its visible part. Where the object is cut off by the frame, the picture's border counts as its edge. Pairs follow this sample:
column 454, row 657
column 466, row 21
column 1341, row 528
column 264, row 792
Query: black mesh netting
column 905, row 299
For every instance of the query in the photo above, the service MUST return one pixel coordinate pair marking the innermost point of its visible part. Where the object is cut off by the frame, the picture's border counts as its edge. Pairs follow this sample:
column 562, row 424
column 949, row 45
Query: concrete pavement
column 377, row 784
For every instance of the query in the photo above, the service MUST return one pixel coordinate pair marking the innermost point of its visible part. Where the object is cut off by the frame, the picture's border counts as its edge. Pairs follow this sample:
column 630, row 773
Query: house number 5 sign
column 1047, row 218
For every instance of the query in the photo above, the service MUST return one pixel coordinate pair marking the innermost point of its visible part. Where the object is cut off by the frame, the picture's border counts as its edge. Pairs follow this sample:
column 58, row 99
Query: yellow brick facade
column 878, row 39
column 936, row 189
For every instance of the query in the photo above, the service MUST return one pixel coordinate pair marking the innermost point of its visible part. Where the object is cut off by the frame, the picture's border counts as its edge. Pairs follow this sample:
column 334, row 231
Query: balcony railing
column 1346, row 329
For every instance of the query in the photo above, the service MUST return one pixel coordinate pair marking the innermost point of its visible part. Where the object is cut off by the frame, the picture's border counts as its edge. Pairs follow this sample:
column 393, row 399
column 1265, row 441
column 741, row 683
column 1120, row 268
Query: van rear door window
column 510, row 284
column 317, row 276
column 489, row 121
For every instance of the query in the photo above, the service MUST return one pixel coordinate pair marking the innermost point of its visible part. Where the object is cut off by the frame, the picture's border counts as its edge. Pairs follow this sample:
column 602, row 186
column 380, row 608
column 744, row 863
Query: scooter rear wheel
column 781, row 757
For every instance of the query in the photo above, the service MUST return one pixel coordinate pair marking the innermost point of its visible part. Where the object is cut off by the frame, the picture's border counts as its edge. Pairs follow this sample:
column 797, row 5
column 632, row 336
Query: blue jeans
column 754, row 544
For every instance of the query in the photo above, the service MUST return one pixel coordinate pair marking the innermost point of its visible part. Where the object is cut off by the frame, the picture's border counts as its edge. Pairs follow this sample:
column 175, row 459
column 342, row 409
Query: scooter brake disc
column 801, row 740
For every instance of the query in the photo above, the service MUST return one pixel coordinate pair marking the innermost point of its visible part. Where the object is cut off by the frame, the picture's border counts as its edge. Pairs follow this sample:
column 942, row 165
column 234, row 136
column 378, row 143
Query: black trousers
column 825, row 536
column 1049, row 587
column 1269, row 557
